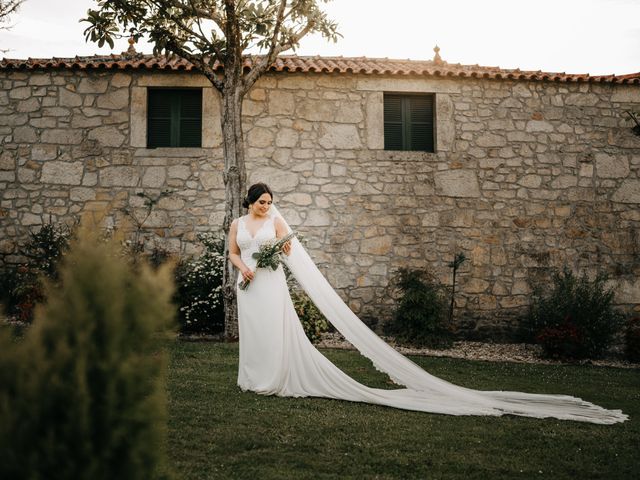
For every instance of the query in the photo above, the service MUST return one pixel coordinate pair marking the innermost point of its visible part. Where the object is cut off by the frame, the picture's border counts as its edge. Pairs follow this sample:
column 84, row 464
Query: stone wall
column 528, row 175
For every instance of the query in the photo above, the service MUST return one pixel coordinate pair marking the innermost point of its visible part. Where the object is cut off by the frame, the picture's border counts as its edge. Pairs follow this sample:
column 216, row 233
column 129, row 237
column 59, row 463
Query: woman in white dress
column 276, row 357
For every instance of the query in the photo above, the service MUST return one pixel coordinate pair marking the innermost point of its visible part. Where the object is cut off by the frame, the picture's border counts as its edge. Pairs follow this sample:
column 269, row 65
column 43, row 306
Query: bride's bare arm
column 281, row 231
column 234, row 252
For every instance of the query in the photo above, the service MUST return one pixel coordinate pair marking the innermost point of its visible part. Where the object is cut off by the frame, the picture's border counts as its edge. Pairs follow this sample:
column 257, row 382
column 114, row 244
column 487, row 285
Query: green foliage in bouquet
column 82, row 395
column 420, row 315
column 575, row 318
column 199, row 288
column 268, row 255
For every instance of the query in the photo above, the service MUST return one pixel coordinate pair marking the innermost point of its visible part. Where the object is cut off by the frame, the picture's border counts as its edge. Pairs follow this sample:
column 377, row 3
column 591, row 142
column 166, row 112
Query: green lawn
column 216, row 431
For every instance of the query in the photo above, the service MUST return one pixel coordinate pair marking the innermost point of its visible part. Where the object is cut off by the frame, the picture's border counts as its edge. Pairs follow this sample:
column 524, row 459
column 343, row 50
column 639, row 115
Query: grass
column 217, row 431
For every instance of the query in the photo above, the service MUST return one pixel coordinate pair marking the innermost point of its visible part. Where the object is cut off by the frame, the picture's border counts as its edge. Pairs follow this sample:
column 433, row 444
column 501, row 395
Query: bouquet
column 269, row 255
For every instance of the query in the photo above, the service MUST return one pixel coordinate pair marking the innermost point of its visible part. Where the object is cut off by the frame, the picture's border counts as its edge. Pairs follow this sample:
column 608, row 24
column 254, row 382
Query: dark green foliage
column 632, row 339
column 199, row 288
column 46, row 247
column 419, row 318
column 23, row 291
column 82, row 395
column 21, row 284
column 313, row 322
column 574, row 318
column 259, row 23
column 158, row 256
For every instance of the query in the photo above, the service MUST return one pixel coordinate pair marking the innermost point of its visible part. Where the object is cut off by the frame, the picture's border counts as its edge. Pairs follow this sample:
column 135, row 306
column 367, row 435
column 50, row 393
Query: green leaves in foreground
column 82, row 395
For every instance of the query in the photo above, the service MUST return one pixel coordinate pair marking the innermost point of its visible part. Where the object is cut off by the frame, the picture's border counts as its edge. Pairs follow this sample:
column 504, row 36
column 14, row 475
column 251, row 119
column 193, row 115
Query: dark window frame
column 405, row 123
column 175, row 134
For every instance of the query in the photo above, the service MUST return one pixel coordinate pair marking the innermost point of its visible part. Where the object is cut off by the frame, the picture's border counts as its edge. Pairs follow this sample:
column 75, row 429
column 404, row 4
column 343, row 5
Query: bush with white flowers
column 199, row 288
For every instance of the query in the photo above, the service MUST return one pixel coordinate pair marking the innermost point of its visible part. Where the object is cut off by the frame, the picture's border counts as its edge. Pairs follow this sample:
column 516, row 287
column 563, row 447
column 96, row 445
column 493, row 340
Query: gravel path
column 492, row 352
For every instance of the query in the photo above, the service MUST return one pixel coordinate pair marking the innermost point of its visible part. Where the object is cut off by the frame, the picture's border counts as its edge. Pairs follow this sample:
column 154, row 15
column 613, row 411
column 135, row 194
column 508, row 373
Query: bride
column 276, row 358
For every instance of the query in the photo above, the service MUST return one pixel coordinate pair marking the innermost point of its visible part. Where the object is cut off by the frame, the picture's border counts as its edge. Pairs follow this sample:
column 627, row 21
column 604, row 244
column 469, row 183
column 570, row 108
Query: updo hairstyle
column 255, row 192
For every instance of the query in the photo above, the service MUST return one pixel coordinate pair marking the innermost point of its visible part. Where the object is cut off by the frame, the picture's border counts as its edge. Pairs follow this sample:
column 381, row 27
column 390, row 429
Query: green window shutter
column 409, row 122
column 158, row 118
column 191, row 118
column 174, row 118
column 393, row 124
column 421, row 123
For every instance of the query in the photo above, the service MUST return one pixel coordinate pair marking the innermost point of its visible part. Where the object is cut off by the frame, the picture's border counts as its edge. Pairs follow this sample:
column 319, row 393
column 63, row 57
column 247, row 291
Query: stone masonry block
column 457, row 183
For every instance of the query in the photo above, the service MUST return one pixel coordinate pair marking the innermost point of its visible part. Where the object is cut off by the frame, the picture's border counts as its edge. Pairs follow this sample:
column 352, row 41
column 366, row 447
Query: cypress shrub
column 82, row 395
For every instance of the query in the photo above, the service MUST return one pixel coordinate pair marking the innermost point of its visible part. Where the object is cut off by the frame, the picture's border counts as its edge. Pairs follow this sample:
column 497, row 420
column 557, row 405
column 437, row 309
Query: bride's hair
column 255, row 192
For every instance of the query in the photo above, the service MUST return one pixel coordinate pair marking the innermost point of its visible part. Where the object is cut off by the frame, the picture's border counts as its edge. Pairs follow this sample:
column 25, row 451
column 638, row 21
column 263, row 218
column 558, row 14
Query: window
column 409, row 122
column 174, row 117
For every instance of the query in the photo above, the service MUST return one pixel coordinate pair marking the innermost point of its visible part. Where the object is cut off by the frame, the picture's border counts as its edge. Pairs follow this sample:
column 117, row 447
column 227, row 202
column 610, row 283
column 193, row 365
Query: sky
column 598, row 37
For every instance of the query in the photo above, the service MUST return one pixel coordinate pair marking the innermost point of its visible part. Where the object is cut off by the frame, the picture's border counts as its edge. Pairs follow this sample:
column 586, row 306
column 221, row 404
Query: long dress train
column 276, row 357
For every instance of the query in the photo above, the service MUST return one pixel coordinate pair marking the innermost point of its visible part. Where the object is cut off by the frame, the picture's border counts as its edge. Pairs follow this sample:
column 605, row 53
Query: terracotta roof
column 362, row 65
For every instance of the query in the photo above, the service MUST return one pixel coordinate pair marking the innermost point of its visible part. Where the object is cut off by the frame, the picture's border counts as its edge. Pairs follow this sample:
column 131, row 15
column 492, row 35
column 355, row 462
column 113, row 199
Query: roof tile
column 293, row 63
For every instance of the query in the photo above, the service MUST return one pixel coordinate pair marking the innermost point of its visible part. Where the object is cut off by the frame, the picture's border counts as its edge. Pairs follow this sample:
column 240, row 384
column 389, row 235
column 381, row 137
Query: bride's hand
column 247, row 275
column 286, row 248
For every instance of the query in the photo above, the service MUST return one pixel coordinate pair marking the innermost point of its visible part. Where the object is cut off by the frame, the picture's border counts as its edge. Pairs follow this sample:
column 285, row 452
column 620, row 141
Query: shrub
column 632, row 339
column 313, row 322
column 421, row 311
column 159, row 256
column 562, row 340
column 82, row 395
column 575, row 319
column 199, row 288
column 46, row 247
column 21, row 289
column 22, row 284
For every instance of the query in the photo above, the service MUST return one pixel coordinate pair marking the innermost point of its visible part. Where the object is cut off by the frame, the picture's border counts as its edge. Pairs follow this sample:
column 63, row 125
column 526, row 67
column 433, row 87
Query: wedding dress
column 276, row 357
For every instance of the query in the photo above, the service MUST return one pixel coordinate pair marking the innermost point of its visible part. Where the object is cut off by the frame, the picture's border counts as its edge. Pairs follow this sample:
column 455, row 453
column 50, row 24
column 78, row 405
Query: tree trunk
column 235, row 186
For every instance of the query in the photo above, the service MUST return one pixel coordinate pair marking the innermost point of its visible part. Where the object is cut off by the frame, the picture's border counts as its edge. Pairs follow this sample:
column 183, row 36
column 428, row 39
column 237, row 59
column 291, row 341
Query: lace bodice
column 248, row 244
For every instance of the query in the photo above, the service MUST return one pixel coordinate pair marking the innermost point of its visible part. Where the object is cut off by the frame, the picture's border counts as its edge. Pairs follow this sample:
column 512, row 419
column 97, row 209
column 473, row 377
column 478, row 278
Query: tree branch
column 274, row 51
column 197, row 61
column 201, row 12
column 8, row 8
column 180, row 23
column 217, row 53
column 279, row 20
column 295, row 38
